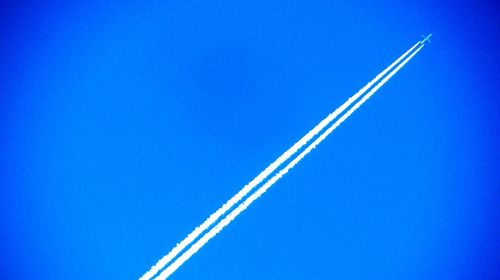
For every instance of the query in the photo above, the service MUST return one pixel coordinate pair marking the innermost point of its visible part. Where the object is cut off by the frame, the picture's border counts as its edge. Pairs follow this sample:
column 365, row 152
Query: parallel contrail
column 244, row 205
column 264, row 174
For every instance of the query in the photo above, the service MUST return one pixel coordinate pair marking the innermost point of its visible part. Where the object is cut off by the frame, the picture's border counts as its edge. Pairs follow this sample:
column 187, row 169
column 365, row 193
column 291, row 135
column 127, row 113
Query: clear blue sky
column 124, row 124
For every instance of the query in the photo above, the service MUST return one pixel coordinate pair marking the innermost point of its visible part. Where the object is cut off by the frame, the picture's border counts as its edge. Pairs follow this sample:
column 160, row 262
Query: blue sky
column 125, row 124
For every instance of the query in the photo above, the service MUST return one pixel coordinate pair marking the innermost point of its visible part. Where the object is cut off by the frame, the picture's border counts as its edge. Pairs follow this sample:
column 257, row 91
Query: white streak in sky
column 264, row 174
column 244, row 205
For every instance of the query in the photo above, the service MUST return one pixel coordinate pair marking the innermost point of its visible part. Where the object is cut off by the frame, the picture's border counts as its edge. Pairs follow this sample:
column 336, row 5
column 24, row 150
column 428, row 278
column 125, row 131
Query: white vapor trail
column 264, row 174
column 249, row 200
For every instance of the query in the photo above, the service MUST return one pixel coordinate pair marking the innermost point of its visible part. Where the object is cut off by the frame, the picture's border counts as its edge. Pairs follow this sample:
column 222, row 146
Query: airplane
column 426, row 38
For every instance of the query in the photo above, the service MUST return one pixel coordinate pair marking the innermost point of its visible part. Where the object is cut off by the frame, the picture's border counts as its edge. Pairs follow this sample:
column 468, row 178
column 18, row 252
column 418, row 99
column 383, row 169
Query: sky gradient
column 125, row 124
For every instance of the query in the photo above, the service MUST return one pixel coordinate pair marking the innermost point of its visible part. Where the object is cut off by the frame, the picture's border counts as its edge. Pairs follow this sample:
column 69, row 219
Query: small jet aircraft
column 426, row 38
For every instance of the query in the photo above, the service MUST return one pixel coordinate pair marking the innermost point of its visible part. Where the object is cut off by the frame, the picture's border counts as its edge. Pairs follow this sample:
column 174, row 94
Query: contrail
column 264, row 174
column 244, row 205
